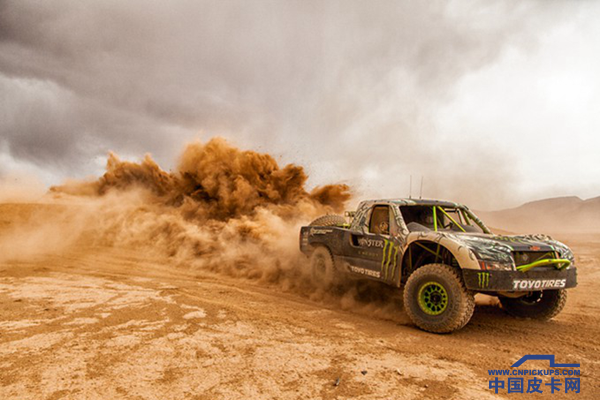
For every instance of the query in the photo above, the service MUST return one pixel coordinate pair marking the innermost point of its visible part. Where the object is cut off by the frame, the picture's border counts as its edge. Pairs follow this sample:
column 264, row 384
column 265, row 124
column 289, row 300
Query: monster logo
column 365, row 242
column 484, row 279
column 389, row 261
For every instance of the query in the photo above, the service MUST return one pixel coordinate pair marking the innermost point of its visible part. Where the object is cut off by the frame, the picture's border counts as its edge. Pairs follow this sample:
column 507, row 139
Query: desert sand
column 97, row 321
column 147, row 284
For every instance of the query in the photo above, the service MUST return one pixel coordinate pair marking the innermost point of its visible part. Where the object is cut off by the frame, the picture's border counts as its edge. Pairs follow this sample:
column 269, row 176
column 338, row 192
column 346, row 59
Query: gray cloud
column 348, row 88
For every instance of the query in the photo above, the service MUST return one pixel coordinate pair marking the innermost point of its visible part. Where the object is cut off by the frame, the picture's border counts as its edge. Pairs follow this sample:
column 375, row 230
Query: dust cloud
column 222, row 211
column 20, row 188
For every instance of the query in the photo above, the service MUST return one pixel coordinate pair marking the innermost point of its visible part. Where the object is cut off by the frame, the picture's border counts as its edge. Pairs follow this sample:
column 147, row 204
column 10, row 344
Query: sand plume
column 223, row 209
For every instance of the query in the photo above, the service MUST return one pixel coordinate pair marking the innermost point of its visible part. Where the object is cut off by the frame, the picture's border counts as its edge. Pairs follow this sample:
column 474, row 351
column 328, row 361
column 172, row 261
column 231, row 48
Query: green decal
column 389, row 261
column 484, row 279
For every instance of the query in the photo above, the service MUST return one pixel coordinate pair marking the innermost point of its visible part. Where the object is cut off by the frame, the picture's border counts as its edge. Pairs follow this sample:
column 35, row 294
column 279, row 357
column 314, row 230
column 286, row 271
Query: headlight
column 496, row 266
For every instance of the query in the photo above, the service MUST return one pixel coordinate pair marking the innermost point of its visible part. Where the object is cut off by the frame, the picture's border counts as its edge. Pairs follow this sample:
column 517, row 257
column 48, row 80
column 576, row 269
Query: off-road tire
column 322, row 267
column 542, row 305
column 459, row 302
column 329, row 220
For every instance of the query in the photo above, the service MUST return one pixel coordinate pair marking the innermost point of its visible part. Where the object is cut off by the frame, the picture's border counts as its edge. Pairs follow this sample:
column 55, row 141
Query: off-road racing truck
column 442, row 254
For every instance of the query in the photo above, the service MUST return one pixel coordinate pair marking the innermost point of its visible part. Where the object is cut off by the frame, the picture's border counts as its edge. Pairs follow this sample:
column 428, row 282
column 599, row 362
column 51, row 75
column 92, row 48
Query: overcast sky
column 493, row 102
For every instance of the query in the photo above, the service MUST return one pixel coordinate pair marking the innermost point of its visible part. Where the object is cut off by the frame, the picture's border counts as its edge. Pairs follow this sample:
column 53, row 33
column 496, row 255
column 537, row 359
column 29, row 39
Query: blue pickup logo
column 548, row 357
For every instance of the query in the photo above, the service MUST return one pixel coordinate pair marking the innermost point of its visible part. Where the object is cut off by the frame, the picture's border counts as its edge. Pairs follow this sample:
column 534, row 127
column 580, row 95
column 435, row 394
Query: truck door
column 376, row 251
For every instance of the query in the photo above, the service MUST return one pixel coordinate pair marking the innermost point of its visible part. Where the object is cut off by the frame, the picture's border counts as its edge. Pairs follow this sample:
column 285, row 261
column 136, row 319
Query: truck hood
column 515, row 243
column 500, row 248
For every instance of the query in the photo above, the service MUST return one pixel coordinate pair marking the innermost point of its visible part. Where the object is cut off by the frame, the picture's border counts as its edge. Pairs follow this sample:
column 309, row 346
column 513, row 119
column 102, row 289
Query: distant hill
column 560, row 214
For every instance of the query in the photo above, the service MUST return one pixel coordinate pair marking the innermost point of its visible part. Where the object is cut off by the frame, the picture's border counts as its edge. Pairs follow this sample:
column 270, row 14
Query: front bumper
column 517, row 281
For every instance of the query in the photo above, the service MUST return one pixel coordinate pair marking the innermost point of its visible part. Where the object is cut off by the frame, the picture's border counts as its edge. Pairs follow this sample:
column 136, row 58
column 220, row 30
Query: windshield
column 440, row 218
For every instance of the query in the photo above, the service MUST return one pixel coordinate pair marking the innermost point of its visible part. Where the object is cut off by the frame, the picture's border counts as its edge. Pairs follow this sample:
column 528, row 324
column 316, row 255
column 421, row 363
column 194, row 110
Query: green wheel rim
column 433, row 298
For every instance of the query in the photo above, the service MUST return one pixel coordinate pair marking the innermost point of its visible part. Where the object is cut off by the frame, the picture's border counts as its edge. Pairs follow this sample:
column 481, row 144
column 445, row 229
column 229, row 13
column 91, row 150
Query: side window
column 418, row 218
column 380, row 220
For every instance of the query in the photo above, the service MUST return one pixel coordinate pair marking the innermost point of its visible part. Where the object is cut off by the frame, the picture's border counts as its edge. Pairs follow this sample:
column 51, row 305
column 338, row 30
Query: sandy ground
column 115, row 323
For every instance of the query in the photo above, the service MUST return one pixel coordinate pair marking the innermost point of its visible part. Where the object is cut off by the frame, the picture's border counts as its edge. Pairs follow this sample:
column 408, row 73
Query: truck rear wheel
column 436, row 299
column 322, row 266
column 542, row 305
column 329, row 220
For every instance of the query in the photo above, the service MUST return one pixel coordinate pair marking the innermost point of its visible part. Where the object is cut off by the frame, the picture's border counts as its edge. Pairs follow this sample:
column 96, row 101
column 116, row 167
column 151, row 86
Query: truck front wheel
column 436, row 299
column 542, row 305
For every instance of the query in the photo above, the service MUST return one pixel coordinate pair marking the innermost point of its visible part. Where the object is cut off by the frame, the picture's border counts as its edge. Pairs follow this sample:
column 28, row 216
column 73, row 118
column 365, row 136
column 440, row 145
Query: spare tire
column 329, row 220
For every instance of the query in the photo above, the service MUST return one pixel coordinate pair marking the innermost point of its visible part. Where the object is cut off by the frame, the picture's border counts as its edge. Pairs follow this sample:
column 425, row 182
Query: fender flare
column 464, row 256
